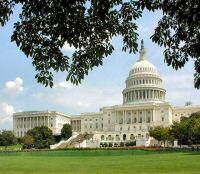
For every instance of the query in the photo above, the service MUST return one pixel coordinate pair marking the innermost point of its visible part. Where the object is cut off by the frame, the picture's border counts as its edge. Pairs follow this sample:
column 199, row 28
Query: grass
column 11, row 148
column 99, row 162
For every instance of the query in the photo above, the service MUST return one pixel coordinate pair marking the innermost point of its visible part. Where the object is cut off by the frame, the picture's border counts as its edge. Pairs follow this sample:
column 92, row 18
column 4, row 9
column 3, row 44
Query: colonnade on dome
column 143, row 95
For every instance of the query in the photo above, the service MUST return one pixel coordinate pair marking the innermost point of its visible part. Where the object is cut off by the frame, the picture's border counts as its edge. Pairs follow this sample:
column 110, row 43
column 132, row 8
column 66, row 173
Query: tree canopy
column 66, row 131
column 27, row 141
column 187, row 131
column 160, row 133
column 45, row 26
column 42, row 137
column 7, row 138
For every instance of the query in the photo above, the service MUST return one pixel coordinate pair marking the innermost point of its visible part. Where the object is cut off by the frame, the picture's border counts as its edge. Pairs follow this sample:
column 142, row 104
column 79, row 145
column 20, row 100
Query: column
column 145, row 114
column 146, row 95
column 29, row 122
column 150, row 94
column 142, row 97
column 23, row 126
column 124, row 117
column 153, row 115
column 131, row 117
column 48, row 121
column 134, row 97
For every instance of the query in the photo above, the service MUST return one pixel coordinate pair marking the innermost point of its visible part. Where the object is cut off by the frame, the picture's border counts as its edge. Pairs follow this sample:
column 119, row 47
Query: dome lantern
column 143, row 54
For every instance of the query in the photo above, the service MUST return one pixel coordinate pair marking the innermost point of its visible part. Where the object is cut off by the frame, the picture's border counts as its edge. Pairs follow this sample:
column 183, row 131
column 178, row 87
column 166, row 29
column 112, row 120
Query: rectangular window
column 140, row 120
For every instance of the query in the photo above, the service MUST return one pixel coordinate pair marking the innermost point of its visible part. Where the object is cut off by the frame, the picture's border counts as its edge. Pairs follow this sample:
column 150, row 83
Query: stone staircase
column 73, row 141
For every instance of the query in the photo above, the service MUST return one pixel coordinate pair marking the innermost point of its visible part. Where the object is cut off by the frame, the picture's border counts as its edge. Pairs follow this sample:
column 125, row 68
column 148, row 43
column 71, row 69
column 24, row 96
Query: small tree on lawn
column 7, row 138
column 156, row 132
column 27, row 141
column 43, row 137
column 66, row 131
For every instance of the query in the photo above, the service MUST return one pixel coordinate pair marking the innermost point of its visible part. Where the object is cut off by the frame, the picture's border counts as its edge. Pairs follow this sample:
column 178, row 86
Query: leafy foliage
column 7, row 138
column 160, row 133
column 42, row 136
column 66, row 131
column 187, row 131
column 89, row 26
column 27, row 141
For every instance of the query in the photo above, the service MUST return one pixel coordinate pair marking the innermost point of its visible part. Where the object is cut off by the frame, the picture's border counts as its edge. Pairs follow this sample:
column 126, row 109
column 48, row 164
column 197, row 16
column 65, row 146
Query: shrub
column 116, row 145
column 132, row 143
column 121, row 144
column 105, row 145
column 110, row 144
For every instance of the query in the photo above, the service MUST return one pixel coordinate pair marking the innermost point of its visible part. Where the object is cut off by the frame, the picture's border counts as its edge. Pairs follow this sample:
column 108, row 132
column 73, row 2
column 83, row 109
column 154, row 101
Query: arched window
column 102, row 137
column 117, row 138
column 124, row 137
column 109, row 137
column 132, row 137
column 139, row 136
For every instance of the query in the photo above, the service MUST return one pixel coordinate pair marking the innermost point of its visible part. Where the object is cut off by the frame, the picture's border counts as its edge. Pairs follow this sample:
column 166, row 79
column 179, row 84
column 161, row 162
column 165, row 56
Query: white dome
column 144, row 84
column 144, row 66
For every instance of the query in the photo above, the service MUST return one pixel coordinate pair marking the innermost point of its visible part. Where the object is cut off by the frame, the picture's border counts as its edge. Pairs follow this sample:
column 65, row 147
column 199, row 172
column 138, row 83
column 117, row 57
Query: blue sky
column 103, row 86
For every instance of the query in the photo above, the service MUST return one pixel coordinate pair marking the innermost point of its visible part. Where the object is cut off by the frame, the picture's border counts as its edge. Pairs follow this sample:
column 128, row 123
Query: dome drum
column 143, row 95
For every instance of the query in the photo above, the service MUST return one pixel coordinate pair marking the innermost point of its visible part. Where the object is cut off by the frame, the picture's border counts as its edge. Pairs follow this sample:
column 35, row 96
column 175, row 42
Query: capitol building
column 144, row 106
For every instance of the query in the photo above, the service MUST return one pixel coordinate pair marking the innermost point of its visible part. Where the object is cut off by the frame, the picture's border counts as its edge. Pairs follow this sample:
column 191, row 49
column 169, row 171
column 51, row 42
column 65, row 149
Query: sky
column 19, row 90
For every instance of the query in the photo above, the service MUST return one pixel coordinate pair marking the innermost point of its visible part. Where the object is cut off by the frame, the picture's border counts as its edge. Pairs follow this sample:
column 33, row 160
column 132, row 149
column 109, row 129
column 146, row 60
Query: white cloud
column 6, row 112
column 180, row 88
column 178, row 81
column 64, row 84
column 82, row 99
column 15, row 86
column 67, row 47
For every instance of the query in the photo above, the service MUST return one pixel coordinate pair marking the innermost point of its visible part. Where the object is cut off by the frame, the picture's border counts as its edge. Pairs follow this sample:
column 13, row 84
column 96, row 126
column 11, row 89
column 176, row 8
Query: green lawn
column 99, row 162
column 14, row 147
